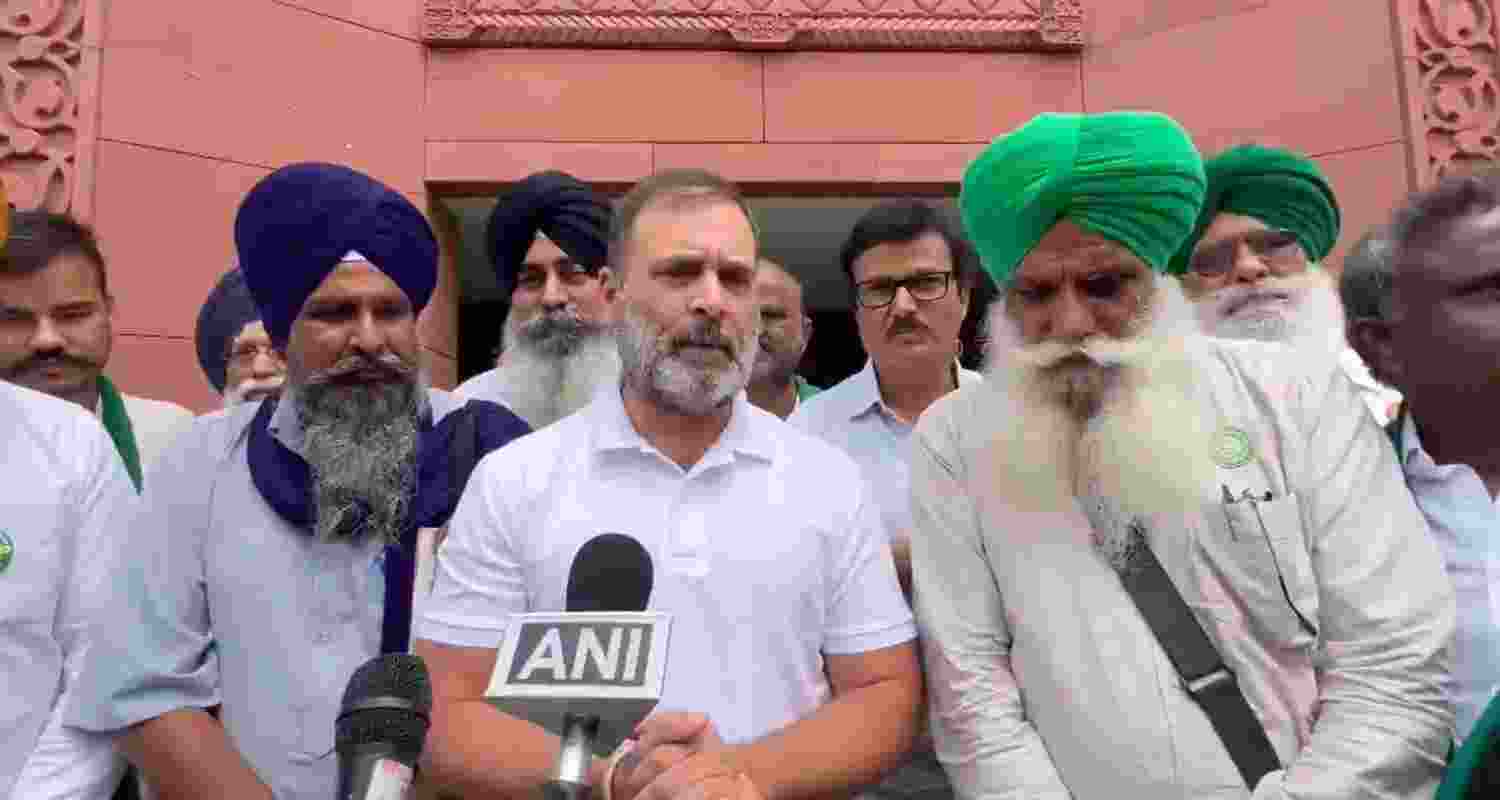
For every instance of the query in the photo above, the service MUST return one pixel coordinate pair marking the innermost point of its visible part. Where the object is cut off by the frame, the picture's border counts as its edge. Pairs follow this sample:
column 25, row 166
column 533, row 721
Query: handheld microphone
column 381, row 727
column 592, row 674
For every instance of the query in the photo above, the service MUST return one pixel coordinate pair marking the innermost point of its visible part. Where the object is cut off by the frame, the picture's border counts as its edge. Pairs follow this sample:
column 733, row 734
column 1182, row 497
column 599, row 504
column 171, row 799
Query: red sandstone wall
column 199, row 100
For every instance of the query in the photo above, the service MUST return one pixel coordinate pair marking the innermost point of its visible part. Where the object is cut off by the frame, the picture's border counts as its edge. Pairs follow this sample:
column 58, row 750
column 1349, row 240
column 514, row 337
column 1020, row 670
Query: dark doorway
column 801, row 233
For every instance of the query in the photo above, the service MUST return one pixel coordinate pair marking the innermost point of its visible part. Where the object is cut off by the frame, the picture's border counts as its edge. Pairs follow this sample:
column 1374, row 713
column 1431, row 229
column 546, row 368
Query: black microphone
column 611, row 573
column 381, row 727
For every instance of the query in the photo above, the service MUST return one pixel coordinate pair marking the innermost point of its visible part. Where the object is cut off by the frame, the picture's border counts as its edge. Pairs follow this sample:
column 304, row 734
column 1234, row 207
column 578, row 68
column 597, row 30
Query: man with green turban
column 1253, row 264
column 1119, row 474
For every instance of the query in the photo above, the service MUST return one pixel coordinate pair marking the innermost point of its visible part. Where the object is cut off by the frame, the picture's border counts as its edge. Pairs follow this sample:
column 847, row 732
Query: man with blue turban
column 1253, row 265
column 1147, row 562
column 281, row 553
column 548, row 240
column 234, row 349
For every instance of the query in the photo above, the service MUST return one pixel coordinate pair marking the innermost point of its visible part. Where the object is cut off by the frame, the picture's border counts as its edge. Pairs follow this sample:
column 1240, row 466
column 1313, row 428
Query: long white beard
column 542, row 388
column 1311, row 321
column 1146, row 447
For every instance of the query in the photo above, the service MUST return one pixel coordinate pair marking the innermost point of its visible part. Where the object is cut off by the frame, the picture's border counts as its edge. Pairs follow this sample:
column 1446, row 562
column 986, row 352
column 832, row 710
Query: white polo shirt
column 768, row 553
column 65, row 494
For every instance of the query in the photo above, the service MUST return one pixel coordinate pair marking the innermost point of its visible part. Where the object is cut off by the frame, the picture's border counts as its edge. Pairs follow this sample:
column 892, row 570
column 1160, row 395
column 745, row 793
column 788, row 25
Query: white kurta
column 1046, row 683
column 65, row 491
column 154, row 423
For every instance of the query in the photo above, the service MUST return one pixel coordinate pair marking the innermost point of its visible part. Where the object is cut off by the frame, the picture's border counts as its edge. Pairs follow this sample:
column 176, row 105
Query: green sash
column 117, row 422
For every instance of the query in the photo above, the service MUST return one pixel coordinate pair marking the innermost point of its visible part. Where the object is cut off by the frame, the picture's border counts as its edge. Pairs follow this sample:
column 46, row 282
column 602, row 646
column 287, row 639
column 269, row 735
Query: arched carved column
column 1449, row 56
column 49, row 72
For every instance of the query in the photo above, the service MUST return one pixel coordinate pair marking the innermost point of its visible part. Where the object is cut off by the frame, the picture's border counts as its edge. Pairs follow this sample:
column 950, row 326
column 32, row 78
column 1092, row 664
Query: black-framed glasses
column 881, row 292
column 1278, row 249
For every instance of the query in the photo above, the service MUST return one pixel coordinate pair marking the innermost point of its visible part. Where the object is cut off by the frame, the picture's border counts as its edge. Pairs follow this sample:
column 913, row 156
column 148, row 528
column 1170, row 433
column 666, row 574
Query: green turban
column 1277, row 187
column 1132, row 177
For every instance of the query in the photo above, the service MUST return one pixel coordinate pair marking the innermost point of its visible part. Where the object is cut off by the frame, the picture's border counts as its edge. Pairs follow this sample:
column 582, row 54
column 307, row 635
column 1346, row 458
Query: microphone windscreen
column 612, row 572
column 388, row 699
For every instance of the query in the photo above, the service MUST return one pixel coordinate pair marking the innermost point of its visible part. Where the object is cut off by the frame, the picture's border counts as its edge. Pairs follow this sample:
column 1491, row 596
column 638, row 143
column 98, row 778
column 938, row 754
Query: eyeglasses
column 245, row 354
column 923, row 287
column 1279, row 250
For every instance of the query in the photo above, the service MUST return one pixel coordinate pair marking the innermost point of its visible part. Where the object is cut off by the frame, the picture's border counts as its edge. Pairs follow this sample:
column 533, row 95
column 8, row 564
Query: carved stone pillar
column 49, row 71
column 1449, row 57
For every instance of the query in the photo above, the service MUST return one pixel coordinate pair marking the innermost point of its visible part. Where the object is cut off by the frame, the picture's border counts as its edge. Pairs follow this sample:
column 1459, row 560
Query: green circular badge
column 1232, row 448
column 7, row 550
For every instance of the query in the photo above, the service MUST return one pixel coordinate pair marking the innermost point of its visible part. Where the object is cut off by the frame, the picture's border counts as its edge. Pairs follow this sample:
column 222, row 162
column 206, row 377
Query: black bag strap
column 1205, row 676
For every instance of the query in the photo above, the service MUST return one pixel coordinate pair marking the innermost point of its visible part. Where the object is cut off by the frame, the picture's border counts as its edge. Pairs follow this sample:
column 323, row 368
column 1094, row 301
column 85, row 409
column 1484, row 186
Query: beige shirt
column 1046, row 683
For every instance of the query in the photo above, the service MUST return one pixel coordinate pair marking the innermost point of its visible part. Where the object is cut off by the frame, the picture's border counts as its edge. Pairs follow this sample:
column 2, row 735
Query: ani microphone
column 381, row 727
column 589, row 675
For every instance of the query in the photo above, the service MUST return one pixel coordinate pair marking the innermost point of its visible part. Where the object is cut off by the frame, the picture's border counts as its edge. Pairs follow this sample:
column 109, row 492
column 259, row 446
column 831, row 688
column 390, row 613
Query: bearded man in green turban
column 1149, row 562
column 1253, row 266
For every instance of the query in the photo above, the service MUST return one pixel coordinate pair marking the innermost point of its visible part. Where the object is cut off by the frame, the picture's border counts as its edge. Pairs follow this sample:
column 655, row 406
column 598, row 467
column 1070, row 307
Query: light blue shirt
column 852, row 416
column 1465, row 519
column 220, row 601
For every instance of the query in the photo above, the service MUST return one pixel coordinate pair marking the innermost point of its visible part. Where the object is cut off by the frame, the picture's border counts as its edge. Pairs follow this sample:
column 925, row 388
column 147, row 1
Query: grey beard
column 651, row 364
column 542, row 388
column 773, row 370
column 360, row 443
column 555, row 333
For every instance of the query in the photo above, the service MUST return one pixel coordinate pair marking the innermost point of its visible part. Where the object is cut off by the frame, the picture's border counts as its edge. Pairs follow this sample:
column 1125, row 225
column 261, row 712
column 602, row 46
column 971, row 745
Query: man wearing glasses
column 1252, row 265
column 547, row 242
column 234, row 349
column 913, row 276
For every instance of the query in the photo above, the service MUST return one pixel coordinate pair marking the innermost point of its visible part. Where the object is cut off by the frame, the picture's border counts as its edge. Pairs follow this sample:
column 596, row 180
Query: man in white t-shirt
column 789, row 630
column 64, row 487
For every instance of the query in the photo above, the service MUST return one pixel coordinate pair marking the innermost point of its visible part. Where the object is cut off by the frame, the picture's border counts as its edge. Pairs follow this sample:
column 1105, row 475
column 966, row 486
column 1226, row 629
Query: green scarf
column 117, row 422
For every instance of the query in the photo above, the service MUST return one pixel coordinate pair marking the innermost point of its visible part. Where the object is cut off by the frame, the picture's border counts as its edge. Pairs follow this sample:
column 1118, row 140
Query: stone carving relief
column 1456, row 103
column 760, row 24
column 47, row 75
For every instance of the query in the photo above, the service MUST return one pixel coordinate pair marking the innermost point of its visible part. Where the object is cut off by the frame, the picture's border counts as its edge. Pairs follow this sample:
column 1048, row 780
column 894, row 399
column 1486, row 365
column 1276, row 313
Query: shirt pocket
column 315, row 722
column 1258, row 548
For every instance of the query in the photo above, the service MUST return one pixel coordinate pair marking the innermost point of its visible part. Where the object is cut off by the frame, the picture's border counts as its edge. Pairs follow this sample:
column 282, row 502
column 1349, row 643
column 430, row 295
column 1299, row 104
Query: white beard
column 1311, row 320
column 542, row 388
column 1145, row 450
column 238, row 394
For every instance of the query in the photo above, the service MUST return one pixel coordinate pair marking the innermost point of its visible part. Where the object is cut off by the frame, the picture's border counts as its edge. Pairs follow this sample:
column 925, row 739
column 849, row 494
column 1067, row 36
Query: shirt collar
column 864, row 390
column 746, row 434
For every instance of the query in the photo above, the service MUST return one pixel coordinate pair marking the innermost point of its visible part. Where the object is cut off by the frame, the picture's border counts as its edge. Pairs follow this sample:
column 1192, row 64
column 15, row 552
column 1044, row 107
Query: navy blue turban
column 300, row 221
column 226, row 312
column 556, row 204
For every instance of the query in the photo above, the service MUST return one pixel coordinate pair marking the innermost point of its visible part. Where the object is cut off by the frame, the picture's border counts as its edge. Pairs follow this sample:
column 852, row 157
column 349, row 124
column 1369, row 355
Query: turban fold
column 1277, row 187
column 226, row 312
column 1132, row 177
column 299, row 222
column 556, row 204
